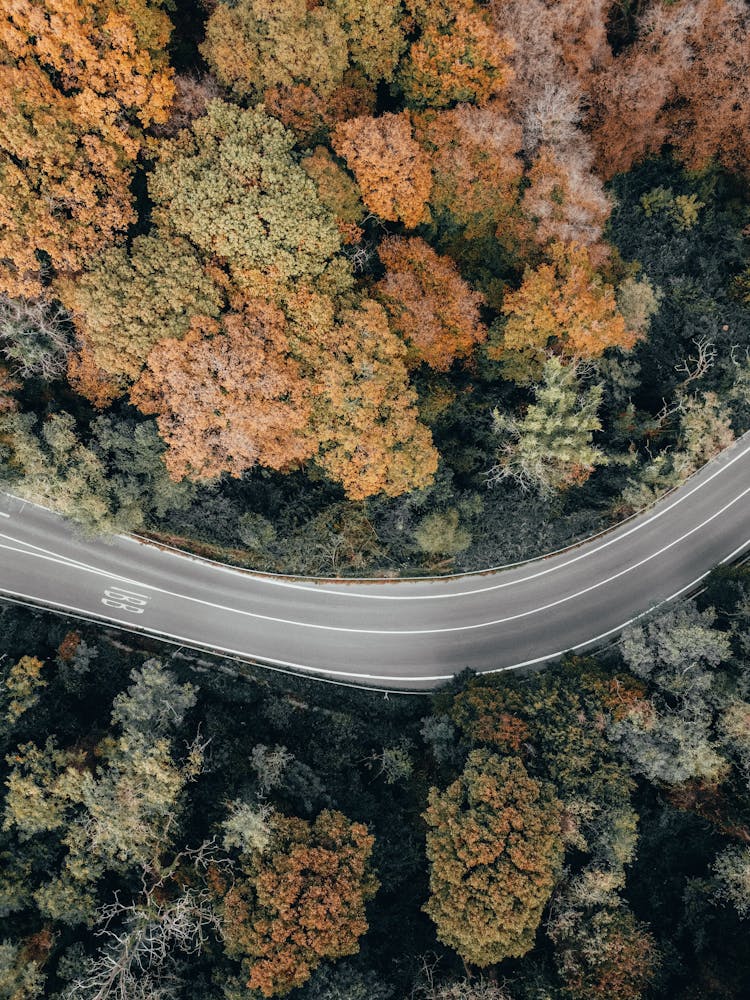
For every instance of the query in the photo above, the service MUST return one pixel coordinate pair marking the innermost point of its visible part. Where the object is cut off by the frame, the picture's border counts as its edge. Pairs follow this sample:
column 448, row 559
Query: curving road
column 398, row 635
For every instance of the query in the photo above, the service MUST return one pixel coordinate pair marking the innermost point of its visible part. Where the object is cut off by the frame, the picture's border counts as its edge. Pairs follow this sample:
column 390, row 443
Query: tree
column 458, row 57
column 20, row 688
column 551, row 447
column 429, row 305
column 441, row 534
column 563, row 306
column 683, row 81
column 20, row 979
column 264, row 50
column 493, row 842
column 235, row 189
column 566, row 202
column 602, row 951
column 337, row 191
column 79, row 81
column 131, row 300
column 253, row 45
column 371, row 438
column 677, row 651
column 300, row 901
column 476, row 169
column 392, row 171
column 228, row 396
column 116, row 482
column 374, row 34
column 35, row 337
column 117, row 806
column 731, row 870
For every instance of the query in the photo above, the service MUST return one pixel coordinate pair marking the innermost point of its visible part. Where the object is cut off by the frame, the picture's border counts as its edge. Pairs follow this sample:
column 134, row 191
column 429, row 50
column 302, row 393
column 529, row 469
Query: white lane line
column 391, row 678
column 3, row 514
column 344, row 590
column 363, row 631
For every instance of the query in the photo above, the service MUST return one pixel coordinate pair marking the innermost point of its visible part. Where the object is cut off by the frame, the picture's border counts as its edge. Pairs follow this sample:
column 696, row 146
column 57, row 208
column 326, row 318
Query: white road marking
column 392, row 678
column 3, row 514
column 51, row 557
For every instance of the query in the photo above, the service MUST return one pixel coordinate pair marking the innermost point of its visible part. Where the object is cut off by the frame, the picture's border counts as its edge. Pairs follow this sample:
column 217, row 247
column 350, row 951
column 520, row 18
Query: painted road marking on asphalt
column 51, row 557
column 3, row 514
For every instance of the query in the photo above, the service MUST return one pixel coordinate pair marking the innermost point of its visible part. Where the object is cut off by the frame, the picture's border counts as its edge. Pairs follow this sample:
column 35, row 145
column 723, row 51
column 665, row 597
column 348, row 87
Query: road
column 397, row 635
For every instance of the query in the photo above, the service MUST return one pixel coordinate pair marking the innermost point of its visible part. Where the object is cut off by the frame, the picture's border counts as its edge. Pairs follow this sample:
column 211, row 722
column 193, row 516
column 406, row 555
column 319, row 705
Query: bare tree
column 142, row 939
column 35, row 337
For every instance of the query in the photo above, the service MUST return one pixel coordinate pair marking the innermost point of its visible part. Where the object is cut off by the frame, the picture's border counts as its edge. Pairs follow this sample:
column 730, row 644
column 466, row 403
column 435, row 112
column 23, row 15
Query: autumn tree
column 493, row 843
column 371, row 438
column 132, row 299
column 682, row 81
column 78, row 84
column 429, row 305
column 566, row 202
column 254, row 45
column 235, row 189
column 300, row 899
column 550, row 447
column 392, row 171
column 563, row 306
column 337, row 192
column 476, row 168
column 261, row 49
column 228, row 396
column 458, row 57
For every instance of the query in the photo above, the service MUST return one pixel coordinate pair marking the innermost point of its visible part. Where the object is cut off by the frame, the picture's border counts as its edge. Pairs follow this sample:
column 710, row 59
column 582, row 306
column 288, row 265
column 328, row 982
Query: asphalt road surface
column 398, row 635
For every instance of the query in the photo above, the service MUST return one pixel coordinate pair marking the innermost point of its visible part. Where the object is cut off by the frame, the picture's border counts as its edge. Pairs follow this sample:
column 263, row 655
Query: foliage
column 301, row 901
column 129, row 301
column 392, row 171
column 551, row 447
column 79, row 82
column 493, row 843
column 234, row 188
column 428, row 303
column 227, row 396
column 563, row 306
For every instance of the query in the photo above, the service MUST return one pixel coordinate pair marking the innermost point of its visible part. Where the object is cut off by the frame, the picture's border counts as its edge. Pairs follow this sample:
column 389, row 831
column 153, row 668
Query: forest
column 180, row 827
column 394, row 286
column 373, row 288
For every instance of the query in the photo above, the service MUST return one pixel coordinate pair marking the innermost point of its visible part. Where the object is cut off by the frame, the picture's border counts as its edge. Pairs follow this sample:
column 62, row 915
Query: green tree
column 550, row 447
column 132, row 299
column 494, row 846
column 235, row 188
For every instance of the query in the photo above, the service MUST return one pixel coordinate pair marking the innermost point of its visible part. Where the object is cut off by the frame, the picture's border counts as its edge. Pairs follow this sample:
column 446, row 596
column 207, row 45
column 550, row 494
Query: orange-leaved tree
column 79, row 81
column 494, row 847
column 684, row 80
column 300, row 901
column 392, row 171
column 228, row 396
column 429, row 304
column 562, row 306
